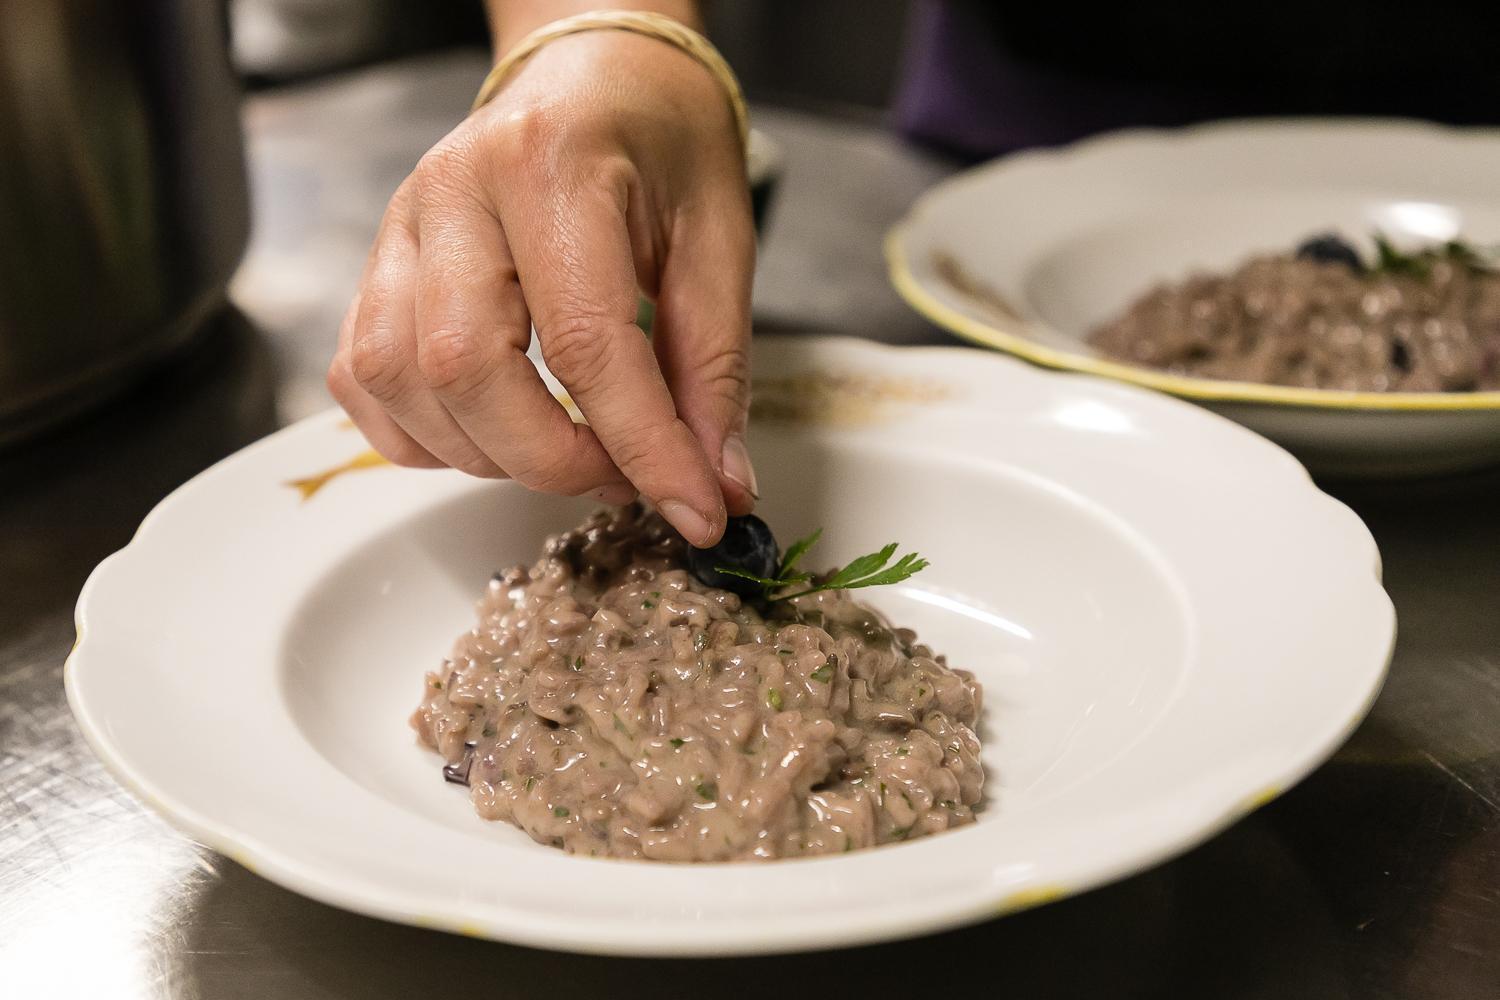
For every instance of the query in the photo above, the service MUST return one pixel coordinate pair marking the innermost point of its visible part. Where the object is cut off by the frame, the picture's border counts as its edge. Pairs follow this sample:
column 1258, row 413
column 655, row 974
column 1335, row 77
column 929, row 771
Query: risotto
column 609, row 703
column 1322, row 319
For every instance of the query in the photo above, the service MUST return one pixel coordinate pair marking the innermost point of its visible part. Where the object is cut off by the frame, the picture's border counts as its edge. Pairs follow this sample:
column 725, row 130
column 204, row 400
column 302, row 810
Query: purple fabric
column 961, row 91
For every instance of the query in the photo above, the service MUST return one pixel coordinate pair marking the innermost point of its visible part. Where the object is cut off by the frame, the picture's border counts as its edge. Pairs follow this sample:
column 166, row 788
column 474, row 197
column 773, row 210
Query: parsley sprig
column 872, row 570
column 1419, row 263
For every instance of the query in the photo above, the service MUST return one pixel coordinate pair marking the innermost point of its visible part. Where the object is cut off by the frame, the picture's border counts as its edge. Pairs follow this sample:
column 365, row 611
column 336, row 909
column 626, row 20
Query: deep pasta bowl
column 1171, row 623
column 1029, row 253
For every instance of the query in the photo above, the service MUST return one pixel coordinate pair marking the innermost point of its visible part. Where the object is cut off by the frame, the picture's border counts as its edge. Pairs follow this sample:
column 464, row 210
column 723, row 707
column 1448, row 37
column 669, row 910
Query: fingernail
column 737, row 464
column 615, row 494
column 696, row 528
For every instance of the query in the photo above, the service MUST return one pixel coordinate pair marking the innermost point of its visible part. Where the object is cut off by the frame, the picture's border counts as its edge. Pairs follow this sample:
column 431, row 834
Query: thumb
column 701, row 334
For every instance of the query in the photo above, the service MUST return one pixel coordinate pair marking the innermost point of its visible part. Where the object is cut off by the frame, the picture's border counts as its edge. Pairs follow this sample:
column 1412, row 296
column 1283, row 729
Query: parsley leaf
column 797, row 551
column 873, row 569
column 1418, row 263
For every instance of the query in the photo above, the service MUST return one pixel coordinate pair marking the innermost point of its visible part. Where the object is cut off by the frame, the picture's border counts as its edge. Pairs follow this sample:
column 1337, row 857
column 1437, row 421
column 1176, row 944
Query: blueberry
column 1330, row 248
column 747, row 545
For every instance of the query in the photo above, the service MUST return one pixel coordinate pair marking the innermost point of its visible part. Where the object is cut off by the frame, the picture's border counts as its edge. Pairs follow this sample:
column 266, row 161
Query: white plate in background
column 1172, row 625
column 1068, row 238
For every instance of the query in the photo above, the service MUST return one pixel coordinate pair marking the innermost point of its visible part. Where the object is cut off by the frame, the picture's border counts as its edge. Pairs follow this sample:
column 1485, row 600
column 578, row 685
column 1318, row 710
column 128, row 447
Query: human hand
column 608, row 162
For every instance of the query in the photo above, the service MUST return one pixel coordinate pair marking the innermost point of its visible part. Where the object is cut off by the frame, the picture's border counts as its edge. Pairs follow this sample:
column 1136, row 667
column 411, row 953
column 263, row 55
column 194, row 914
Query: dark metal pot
column 123, row 204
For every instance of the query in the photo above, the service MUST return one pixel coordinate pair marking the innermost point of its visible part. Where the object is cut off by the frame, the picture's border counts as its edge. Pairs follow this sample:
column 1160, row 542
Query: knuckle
column 644, row 447
column 726, row 373
column 548, row 474
column 523, row 129
column 510, row 156
column 405, row 453
column 576, row 351
column 452, row 361
column 613, row 173
column 539, row 142
column 445, row 167
column 339, row 380
column 405, row 197
column 376, row 365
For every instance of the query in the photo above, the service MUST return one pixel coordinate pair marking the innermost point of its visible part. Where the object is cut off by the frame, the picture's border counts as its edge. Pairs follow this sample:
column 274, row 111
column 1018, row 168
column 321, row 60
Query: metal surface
column 1378, row 877
column 122, row 190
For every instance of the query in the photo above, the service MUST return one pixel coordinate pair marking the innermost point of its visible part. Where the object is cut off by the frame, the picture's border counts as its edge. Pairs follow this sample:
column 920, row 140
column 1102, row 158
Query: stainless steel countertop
column 1378, row 877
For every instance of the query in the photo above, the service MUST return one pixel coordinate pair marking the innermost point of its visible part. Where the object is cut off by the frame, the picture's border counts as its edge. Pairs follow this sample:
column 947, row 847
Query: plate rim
column 916, row 293
column 281, row 865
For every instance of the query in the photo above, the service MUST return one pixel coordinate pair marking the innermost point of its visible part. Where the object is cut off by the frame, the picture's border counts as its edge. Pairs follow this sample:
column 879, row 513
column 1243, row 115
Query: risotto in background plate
column 1033, row 252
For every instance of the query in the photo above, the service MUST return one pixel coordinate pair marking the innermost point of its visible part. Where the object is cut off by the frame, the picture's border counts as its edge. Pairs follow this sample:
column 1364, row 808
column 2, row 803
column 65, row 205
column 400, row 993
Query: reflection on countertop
column 83, row 865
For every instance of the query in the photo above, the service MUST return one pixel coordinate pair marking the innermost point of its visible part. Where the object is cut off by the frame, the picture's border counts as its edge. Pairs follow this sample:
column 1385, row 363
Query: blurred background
column 173, row 156
column 835, row 55
column 166, row 151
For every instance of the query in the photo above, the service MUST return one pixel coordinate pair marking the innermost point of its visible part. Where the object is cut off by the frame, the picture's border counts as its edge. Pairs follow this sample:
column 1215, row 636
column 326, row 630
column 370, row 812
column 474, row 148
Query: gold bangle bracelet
column 652, row 25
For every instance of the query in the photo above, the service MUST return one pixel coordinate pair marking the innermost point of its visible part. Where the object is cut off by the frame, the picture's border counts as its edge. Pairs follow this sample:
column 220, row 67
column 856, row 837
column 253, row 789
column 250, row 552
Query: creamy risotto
column 1427, row 322
column 609, row 703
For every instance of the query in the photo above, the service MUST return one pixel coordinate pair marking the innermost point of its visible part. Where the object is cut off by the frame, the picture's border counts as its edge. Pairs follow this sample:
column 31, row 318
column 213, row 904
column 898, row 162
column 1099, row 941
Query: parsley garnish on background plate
column 1419, row 263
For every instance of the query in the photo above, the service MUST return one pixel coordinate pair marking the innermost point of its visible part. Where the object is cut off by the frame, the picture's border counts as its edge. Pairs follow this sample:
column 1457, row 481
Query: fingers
column 574, row 257
column 431, row 364
column 473, row 331
column 384, row 357
column 374, row 375
column 702, row 332
column 383, row 433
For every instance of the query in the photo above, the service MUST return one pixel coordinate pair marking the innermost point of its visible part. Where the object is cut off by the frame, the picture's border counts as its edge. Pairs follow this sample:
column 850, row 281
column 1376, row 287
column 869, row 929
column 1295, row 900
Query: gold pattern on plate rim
column 813, row 397
column 1028, row 898
column 1264, row 797
column 309, row 485
column 839, row 398
column 1011, row 338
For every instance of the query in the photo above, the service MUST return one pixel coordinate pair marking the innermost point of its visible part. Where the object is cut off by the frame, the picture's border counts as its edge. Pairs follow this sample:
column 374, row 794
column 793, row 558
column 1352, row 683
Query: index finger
column 572, row 251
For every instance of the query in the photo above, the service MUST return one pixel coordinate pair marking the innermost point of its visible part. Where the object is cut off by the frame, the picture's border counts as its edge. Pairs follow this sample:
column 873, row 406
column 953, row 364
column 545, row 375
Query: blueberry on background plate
column 1330, row 248
column 747, row 545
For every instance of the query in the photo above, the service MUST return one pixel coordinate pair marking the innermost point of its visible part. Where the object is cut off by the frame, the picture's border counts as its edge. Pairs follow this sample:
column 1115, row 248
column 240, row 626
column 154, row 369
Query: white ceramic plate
column 1068, row 238
column 1171, row 623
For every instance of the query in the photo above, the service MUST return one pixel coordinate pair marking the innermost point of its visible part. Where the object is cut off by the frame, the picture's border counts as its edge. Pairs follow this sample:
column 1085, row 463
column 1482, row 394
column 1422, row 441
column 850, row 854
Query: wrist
column 654, row 26
column 513, row 20
column 585, row 62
